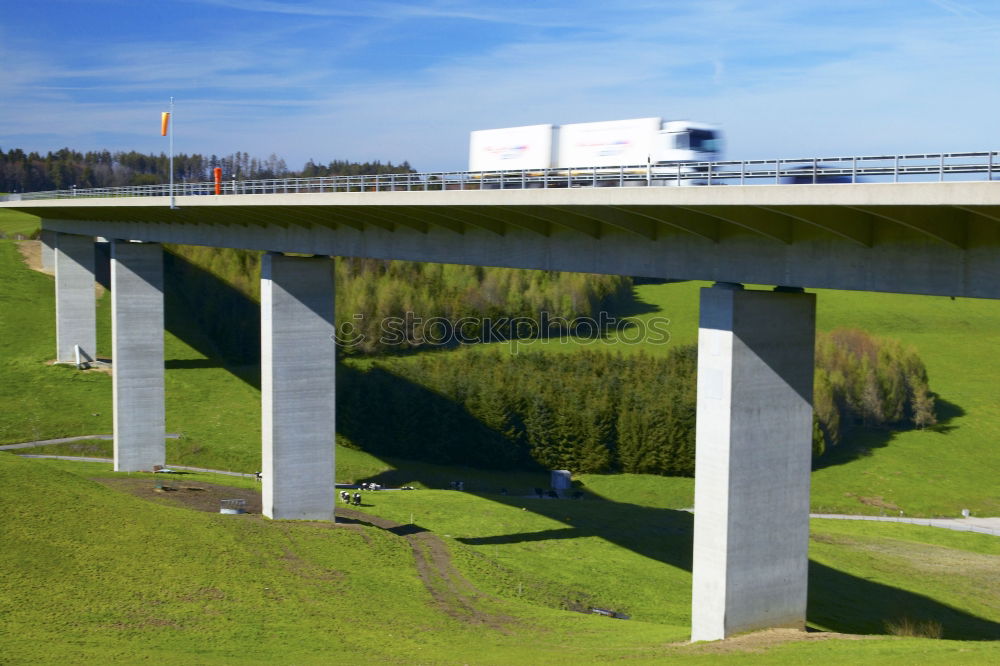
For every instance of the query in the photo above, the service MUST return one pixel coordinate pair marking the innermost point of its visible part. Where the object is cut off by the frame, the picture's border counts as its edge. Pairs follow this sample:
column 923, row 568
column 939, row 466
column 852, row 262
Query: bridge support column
column 47, row 241
column 137, row 341
column 76, row 314
column 298, row 361
column 754, row 448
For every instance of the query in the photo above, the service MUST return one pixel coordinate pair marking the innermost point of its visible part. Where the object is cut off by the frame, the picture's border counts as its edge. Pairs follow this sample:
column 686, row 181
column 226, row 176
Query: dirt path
column 452, row 592
column 176, row 491
column 65, row 440
column 31, row 252
column 763, row 640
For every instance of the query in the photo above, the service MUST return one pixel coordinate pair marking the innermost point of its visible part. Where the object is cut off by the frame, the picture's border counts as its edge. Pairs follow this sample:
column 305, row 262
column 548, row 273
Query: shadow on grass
column 860, row 443
column 838, row 600
column 221, row 323
column 215, row 319
column 631, row 306
column 193, row 363
column 387, row 415
column 851, row 604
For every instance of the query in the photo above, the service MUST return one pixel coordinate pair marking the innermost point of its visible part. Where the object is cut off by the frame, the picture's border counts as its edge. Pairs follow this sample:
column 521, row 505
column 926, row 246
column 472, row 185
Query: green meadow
column 97, row 574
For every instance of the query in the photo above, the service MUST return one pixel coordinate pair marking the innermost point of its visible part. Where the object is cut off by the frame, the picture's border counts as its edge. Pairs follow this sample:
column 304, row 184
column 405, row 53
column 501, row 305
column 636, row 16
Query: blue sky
column 365, row 80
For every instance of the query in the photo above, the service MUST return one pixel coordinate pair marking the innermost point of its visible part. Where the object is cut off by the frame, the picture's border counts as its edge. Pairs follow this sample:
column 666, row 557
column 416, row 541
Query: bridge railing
column 922, row 167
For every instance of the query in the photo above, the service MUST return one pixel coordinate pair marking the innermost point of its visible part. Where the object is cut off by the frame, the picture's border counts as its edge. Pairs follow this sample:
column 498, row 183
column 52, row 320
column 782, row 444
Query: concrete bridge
column 755, row 374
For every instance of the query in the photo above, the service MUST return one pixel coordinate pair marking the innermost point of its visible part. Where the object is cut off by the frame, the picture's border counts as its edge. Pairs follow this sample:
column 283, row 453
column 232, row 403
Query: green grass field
column 934, row 472
column 13, row 223
column 97, row 575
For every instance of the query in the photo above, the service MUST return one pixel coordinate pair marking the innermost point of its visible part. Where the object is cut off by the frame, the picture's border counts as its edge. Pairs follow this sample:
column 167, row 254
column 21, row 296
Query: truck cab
column 686, row 141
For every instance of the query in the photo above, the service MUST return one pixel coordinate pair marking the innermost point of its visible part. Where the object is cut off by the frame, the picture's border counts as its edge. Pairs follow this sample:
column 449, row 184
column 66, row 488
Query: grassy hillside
column 938, row 471
column 13, row 223
column 205, row 402
column 95, row 574
column 98, row 574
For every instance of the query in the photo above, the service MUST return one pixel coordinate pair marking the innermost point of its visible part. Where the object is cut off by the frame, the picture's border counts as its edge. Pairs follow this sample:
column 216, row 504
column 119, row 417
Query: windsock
column 164, row 123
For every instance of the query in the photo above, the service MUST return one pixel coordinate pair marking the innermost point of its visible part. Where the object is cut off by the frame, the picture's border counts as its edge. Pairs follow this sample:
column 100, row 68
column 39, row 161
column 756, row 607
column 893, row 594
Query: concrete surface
column 753, row 451
column 298, row 358
column 65, row 440
column 185, row 468
column 137, row 355
column 922, row 238
column 971, row 524
column 76, row 305
column 47, row 240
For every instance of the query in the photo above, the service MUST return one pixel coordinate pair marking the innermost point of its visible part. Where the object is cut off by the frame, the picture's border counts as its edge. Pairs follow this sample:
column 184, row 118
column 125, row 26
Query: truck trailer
column 652, row 145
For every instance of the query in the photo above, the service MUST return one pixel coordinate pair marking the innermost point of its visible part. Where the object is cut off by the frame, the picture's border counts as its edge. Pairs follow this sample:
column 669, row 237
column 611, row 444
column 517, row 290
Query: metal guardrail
column 925, row 167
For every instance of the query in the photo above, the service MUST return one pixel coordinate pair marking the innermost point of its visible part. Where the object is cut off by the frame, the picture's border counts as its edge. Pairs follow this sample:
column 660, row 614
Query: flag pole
column 172, row 200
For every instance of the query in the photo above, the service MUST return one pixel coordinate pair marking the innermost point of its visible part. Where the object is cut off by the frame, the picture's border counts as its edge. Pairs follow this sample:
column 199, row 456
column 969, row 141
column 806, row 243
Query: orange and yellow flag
column 164, row 122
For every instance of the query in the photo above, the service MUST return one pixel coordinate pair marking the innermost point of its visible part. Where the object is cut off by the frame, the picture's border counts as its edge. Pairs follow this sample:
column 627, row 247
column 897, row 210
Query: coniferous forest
column 589, row 411
column 395, row 306
column 22, row 171
column 594, row 411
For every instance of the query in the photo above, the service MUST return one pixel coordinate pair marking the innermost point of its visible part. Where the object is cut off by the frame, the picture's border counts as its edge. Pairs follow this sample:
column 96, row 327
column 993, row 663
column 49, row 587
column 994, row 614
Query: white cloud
column 785, row 79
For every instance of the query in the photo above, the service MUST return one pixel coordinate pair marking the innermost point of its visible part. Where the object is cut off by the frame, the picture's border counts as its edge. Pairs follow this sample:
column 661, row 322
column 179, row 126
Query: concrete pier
column 137, row 340
column 298, row 358
column 754, row 435
column 47, row 240
column 76, row 314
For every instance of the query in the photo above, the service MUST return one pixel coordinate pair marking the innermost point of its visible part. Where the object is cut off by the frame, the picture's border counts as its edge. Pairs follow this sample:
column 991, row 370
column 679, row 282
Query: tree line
column 586, row 411
column 385, row 306
column 392, row 306
column 594, row 411
column 867, row 381
column 22, row 171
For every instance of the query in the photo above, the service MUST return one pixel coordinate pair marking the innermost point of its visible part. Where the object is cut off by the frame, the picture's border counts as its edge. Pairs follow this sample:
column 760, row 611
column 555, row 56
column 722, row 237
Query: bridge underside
column 940, row 238
column 754, row 420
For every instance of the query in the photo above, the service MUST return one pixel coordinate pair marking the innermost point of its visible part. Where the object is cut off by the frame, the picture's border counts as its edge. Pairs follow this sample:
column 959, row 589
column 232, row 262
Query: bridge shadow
column 387, row 415
column 860, row 442
column 221, row 323
column 214, row 318
column 838, row 601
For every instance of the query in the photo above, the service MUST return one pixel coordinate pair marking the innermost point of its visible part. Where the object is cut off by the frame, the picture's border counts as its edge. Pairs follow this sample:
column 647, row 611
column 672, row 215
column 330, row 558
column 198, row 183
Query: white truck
column 629, row 148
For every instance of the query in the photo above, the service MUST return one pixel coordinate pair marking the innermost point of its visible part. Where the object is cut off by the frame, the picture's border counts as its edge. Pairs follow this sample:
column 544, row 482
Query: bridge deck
column 928, row 238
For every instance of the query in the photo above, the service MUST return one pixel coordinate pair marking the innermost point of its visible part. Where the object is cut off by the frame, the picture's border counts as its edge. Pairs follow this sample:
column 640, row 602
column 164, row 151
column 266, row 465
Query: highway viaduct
column 755, row 358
